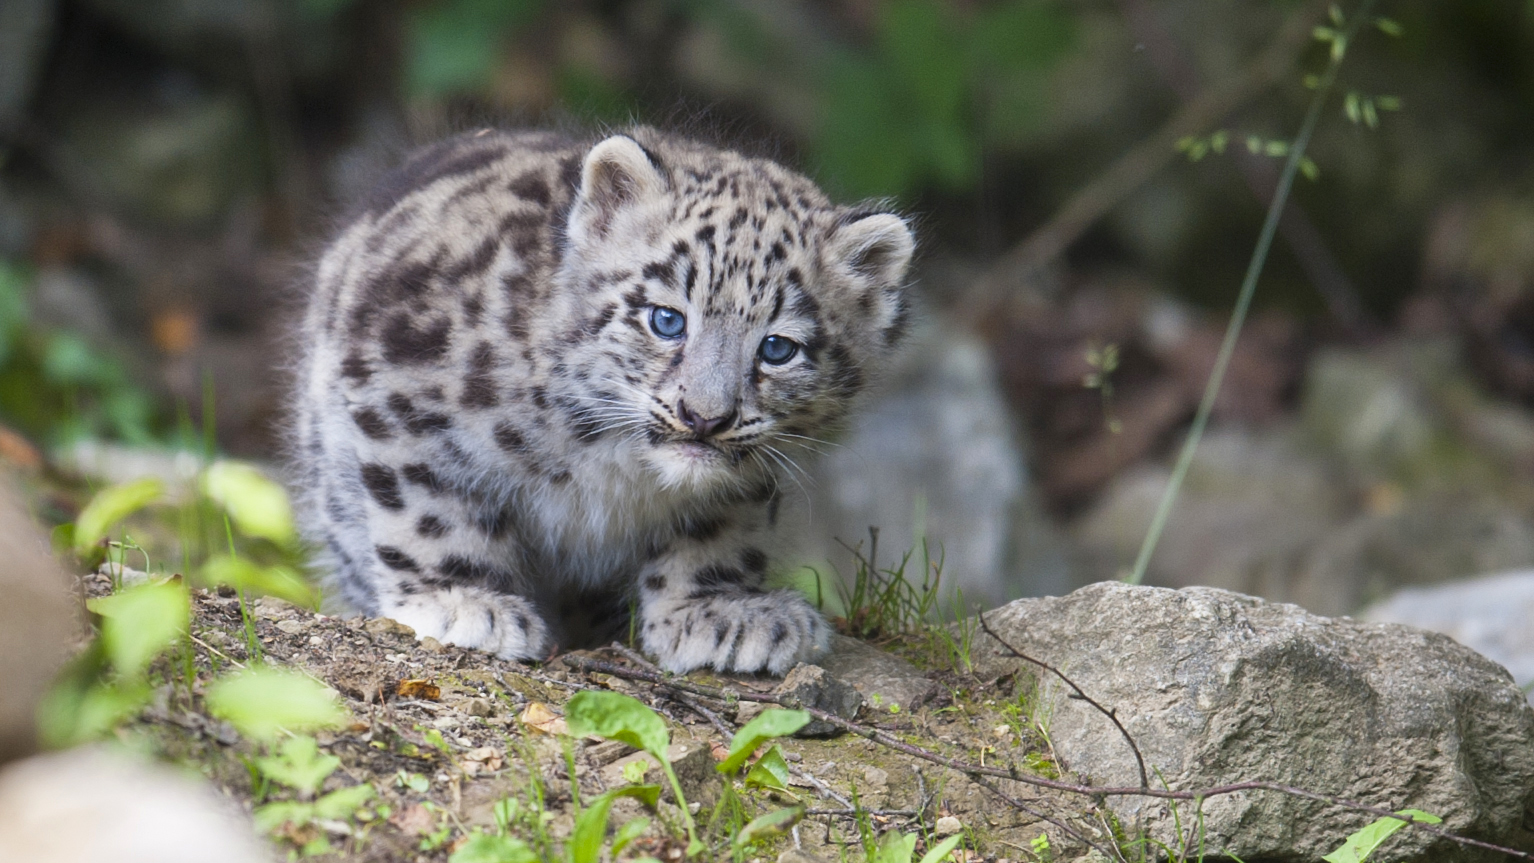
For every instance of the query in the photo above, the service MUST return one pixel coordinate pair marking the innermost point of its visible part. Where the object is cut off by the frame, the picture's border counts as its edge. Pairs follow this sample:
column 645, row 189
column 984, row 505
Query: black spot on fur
column 383, row 485
column 473, row 309
column 717, row 575
column 404, row 342
column 754, row 560
column 655, row 582
column 510, row 438
column 393, row 558
column 372, row 423
column 532, row 187
column 356, row 368
column 475, row 263
column 419, row 474
column 430, row 527
column 418, row 421
column 493, row 522
column 478, row 385
column 525, row 231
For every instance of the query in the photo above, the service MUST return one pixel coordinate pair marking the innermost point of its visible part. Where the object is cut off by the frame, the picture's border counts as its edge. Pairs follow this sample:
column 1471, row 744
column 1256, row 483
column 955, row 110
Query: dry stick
column 1134, row 167
column 1111, row 714
column 1013, row 774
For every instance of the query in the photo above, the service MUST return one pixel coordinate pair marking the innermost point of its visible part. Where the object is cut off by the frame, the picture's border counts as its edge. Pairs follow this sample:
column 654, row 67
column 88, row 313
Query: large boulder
column 1217, row 687
column 1493, row 614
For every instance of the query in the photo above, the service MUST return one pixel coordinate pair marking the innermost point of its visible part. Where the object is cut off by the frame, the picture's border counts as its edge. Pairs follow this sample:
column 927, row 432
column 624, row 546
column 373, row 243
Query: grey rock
column 1492, row 615
column 934, row 455
column 1251, row 507
column 877, row 675
column 36, row 624
column 811, row 686
column 1217, row 687
column 95, row 803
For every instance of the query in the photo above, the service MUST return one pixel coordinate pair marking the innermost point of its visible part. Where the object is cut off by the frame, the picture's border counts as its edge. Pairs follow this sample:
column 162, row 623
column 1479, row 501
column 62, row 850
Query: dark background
column 169, row 167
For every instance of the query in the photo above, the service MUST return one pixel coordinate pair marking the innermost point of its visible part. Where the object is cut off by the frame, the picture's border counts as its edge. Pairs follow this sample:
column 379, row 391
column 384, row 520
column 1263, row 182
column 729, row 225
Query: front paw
column 737, row 631
column 498, row 623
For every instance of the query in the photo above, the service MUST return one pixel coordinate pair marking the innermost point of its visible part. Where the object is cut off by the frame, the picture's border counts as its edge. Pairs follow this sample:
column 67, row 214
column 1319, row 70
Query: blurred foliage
column 57, row 388
column 921, row 104
column 916, row 104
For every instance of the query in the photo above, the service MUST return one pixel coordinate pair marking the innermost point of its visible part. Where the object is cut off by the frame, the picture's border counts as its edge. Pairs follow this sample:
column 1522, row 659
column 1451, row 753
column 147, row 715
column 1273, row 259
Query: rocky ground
column 442, row 734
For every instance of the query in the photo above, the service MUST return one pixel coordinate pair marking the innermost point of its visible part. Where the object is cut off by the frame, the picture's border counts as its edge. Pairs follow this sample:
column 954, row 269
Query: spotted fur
column 498, row 446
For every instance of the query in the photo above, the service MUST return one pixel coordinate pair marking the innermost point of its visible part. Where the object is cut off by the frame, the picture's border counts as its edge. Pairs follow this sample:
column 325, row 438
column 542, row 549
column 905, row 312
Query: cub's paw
column 738, row 631
column 498, row 623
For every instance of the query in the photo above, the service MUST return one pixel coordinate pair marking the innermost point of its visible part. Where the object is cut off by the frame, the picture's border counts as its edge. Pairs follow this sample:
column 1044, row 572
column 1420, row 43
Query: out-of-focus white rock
column 93, row 805
column 1492, row 615
column 935, row 454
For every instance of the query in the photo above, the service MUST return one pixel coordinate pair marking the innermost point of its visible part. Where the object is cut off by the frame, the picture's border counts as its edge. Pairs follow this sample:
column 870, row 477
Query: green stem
column 1243, row 301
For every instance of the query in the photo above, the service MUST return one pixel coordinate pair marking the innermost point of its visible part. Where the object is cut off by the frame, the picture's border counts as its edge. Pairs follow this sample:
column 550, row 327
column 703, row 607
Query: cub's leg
column 441, row 562
column 701, row 603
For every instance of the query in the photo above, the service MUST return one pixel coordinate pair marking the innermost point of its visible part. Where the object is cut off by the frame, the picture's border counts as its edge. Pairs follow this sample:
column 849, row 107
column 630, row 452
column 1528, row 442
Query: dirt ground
column 443, row 733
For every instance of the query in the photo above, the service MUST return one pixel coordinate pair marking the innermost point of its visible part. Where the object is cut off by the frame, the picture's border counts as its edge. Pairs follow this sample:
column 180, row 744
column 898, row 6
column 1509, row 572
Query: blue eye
column 777, row 350
column 667, row 323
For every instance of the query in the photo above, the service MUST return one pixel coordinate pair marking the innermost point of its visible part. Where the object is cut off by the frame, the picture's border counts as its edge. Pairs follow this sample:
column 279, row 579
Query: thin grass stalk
column 1244, row 299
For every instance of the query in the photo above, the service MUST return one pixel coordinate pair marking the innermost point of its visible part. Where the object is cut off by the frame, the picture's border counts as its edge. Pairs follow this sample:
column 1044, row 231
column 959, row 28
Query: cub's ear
column 876, row 247
column 617, row 173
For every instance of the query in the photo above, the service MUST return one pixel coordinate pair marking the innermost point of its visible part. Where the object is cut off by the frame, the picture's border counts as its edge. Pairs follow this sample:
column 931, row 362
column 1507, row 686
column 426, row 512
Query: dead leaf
column 485, row 757
column 416, row 820
column 419, row 688
column 539, row 717
column 18, row 450
column 718, row 750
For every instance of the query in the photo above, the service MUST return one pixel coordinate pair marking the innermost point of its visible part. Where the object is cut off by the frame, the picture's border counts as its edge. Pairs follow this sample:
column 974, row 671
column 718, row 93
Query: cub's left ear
column 873, row 246
column 616, row 174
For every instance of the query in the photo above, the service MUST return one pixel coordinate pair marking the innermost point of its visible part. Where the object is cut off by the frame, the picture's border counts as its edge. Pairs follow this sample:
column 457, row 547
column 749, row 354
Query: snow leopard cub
column 546, row 381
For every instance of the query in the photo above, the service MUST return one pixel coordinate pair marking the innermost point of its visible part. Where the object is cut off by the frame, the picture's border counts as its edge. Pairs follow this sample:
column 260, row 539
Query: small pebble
column 948, row 825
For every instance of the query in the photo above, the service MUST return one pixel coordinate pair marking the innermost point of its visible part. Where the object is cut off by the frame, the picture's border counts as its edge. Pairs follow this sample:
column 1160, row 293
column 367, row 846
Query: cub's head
column 737, row 312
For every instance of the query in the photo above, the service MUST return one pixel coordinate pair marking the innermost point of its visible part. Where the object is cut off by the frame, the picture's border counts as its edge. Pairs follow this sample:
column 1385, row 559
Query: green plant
column 1363, row 842
column 299, row 765
column 1338, row 37
column 56, row 387
column 616, row 716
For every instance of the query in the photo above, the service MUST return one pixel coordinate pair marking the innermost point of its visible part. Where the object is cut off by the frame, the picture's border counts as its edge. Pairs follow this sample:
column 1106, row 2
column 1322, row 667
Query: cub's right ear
column 617, row 174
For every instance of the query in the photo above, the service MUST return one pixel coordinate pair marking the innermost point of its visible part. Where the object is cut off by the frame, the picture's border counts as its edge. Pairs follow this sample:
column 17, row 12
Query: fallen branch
column 1111, row 714
column 1012, row 773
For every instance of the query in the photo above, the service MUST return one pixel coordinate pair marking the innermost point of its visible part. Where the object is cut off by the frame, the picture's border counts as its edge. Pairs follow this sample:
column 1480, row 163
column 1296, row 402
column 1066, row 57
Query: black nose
column 703, row 426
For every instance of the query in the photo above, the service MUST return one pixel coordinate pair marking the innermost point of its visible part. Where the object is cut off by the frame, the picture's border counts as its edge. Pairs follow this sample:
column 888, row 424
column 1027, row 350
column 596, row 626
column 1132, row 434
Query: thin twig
column 1014, row 774
column 1111, row 714
column 1024, row 808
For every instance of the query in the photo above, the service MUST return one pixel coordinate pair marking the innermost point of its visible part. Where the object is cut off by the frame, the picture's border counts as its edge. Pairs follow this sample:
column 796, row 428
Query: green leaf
column 273, row 815
column 246, row 575
column 300, row 765
column 112, row 505
column 1361, row 844
column 261, row 702
column 586, row 839
column 631, row 830
column 258, row 506
column 895, row 847
column 343, row 802
column 943, row 849
column 140, row 622
column 769, row 771
column 616, row 716
column 771, row 824
column 489, row 848
column 69, row 715
column 771, row 723
column 453, row 46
